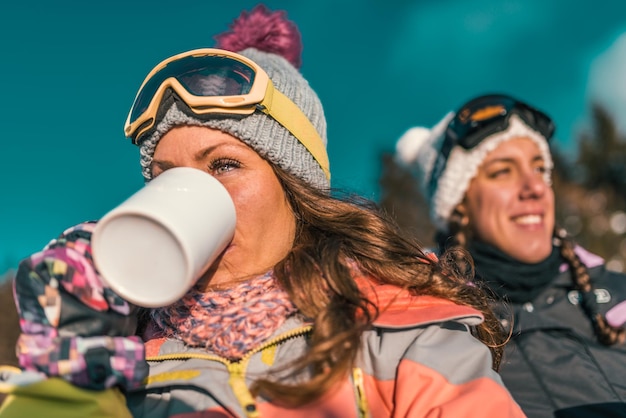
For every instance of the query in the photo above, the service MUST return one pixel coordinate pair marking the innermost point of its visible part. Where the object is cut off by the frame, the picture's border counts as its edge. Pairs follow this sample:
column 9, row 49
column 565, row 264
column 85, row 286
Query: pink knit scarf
column 228, row 322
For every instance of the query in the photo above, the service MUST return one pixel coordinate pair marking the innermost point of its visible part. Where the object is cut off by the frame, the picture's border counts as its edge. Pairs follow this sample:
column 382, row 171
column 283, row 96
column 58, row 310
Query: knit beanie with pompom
column 274, row 43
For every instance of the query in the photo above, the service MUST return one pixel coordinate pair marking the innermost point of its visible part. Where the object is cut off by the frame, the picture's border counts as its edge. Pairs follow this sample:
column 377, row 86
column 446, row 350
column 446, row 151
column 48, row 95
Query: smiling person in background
column 486, row 172
column 319, row 307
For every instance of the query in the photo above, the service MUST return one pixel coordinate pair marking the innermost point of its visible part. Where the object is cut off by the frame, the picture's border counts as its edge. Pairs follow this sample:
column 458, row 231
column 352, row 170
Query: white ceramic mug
column 153, row 247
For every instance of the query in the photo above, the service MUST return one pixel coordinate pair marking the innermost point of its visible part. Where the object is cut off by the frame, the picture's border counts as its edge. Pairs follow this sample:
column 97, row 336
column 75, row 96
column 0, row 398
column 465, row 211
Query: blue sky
column 71, row 69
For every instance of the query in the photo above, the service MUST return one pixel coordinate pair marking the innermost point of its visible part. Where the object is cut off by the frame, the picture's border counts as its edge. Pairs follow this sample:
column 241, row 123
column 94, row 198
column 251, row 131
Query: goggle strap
column 289, row 115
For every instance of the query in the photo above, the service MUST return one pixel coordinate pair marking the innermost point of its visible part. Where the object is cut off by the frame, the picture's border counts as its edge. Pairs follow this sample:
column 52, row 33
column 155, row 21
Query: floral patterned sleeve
column 72, row 325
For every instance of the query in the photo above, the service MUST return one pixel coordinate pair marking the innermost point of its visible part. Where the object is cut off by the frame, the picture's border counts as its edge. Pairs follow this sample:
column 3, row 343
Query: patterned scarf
column 228, row 322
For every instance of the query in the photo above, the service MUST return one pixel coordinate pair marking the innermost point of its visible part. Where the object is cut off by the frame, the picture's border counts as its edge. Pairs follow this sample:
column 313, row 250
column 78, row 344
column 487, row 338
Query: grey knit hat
column 261, row 132
column 419, row 148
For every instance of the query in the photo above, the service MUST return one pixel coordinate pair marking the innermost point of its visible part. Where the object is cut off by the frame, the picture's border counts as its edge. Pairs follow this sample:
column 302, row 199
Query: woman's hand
column 72, row 325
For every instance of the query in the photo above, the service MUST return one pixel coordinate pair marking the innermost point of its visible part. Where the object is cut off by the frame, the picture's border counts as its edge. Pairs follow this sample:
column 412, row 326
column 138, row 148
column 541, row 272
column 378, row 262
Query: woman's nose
column 533, row 185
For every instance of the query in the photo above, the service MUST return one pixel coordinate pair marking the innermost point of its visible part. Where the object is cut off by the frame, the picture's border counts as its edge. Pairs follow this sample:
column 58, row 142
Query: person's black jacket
column 553, row 364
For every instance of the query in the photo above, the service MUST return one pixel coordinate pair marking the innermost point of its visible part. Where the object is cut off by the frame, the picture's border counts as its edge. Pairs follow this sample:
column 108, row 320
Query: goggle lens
column 490, row 114
column 202, row 76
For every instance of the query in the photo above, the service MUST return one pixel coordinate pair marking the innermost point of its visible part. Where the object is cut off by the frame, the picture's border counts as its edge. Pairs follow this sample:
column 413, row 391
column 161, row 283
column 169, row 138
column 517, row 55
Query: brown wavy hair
column 331, row 233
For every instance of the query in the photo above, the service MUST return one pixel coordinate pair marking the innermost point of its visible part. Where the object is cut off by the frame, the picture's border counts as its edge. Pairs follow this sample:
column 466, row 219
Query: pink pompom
column 266, row 31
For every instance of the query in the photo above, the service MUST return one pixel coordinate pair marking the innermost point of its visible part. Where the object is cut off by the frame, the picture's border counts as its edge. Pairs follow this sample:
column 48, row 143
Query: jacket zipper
column 237, row 369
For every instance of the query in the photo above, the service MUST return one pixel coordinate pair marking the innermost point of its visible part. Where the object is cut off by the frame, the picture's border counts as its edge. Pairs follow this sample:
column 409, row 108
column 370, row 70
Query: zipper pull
column 237, row 382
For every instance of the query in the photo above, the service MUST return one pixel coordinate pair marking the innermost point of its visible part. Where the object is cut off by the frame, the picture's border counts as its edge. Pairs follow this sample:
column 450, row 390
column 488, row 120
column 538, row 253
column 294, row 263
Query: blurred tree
column 591, row 205
column 400, row 196
column 602, row 155
column 9, row 323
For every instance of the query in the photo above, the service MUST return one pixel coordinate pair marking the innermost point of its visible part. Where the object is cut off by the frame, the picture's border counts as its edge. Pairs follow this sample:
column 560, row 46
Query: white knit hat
column 420, row 147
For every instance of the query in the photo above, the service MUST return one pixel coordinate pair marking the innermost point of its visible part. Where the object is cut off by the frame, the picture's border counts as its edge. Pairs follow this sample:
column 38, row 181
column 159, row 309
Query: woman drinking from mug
column 486, row 171
column 318, row 307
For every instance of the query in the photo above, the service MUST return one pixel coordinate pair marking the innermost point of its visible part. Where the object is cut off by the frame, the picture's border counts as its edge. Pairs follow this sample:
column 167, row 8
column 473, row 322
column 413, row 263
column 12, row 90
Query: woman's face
column 508, row 203
column 266, row 225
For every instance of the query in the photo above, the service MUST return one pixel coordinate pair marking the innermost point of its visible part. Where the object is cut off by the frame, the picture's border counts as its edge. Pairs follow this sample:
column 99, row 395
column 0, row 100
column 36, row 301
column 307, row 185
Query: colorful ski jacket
column 419, row 360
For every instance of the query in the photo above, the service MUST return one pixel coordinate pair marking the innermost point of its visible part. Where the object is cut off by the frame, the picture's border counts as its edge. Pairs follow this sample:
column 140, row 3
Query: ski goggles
column 482, row 117
column 215, row 81
column 487, row 115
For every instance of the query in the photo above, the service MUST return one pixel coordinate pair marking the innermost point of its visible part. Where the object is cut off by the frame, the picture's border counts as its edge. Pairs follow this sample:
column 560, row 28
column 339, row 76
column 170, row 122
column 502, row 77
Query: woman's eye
column 499, row 173
column 223, row 165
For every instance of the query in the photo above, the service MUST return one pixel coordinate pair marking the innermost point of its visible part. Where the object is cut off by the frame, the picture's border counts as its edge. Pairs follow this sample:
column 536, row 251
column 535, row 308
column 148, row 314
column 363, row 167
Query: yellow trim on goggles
column 261, row 96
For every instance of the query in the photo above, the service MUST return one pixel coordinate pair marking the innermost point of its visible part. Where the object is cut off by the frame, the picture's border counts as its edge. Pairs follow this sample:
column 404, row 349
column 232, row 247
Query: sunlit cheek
column 489, row 213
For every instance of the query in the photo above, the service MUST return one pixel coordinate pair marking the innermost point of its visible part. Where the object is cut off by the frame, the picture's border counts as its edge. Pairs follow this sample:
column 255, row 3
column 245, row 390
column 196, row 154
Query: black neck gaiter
column 511, row 279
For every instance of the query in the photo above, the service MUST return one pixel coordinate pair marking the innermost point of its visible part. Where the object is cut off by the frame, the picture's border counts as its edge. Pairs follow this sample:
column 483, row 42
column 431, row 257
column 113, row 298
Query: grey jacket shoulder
column 553, row 365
